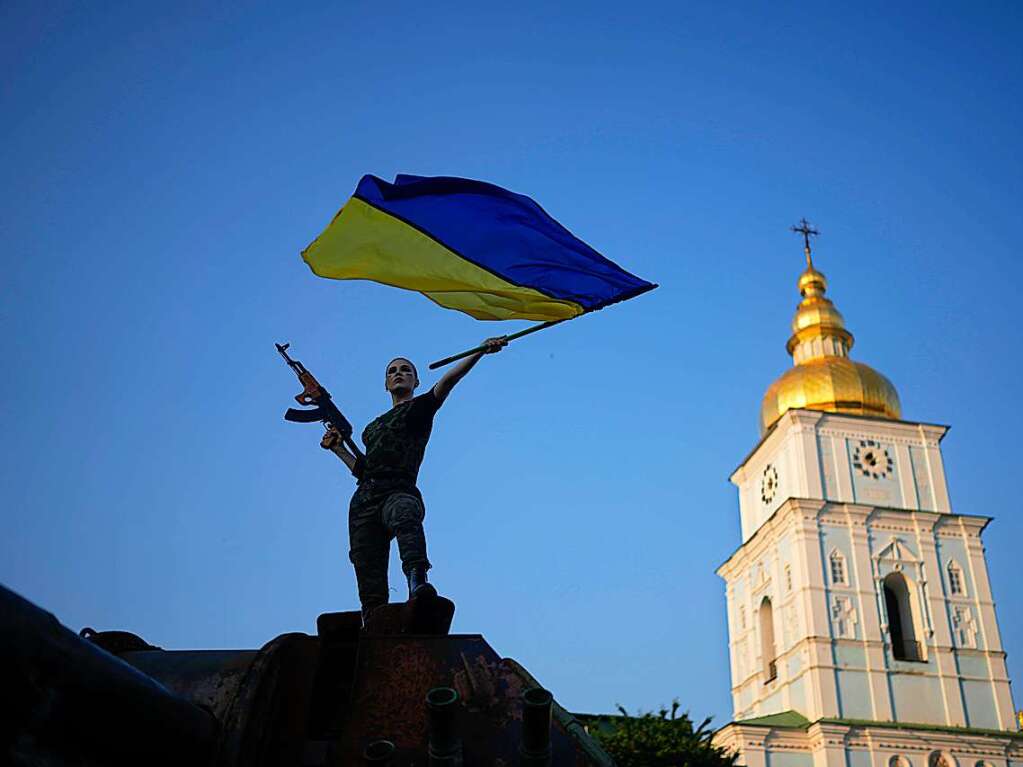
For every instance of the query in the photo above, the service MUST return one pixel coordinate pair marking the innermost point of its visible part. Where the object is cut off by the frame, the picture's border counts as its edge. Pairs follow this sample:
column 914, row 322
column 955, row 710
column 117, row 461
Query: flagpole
column 512, row 337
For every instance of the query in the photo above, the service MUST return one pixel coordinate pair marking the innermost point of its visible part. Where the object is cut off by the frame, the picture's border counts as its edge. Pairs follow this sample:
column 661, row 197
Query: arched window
column 955, row 578
column 901, row 624
column 899, row 761
column 767, row 641
column 837, row 564
column 940, row 759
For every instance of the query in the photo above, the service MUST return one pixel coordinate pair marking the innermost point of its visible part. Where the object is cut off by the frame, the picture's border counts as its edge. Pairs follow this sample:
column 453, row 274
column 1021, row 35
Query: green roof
column 785, row 719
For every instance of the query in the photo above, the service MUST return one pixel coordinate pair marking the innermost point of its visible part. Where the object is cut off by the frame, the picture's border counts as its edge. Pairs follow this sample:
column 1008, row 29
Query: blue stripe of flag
column 505, row 233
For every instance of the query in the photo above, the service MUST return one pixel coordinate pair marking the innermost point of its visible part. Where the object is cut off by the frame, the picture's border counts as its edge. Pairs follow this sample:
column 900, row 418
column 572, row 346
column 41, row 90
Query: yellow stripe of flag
column 364, row 243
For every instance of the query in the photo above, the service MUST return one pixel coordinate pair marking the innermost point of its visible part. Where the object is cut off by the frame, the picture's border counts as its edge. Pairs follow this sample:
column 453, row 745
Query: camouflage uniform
column 387, row 503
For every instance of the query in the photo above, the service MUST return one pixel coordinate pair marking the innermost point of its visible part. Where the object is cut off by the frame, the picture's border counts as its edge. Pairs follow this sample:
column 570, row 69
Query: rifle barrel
column 283, row 350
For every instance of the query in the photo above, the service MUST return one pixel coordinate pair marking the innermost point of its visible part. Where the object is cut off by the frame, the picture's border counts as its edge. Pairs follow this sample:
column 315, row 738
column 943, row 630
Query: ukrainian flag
column 470, row 246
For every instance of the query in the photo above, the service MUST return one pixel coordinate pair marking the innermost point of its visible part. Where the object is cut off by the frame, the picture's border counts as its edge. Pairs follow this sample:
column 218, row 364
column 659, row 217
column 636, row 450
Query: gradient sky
column 162, row 165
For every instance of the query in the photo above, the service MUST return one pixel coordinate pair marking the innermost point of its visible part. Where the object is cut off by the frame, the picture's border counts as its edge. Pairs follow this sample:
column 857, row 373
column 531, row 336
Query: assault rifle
column 325, row 410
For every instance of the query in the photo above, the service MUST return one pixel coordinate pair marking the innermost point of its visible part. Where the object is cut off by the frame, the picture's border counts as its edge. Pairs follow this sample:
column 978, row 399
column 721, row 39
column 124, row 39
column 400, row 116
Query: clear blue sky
column 162, row 165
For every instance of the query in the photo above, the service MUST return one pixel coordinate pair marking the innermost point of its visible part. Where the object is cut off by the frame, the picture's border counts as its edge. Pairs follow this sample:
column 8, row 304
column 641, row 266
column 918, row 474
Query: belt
column 388, row 478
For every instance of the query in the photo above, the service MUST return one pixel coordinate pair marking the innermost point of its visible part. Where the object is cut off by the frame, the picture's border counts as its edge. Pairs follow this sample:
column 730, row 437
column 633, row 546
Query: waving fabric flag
column 470, row 246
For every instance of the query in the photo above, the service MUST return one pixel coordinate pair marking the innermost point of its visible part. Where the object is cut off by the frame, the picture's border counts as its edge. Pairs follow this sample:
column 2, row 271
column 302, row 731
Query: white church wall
column 771, row 704
column 745, row 704
column 828, row 466
column 971, row 664
column 788, row 759
column 980, row 704
column 921, row 479
column 904, row 475
column 797, row 694
column 917, row 699
column 853, row 695
column 929, row 474
column 849, row 655
column 858, row 758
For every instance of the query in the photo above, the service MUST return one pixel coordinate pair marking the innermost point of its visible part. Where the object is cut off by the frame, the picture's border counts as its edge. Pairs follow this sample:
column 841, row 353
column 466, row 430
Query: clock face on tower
column 768, row 484
column 872, row 460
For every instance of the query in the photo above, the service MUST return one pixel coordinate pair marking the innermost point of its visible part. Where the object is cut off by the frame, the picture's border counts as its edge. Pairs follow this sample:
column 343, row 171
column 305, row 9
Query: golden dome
column 823, row 377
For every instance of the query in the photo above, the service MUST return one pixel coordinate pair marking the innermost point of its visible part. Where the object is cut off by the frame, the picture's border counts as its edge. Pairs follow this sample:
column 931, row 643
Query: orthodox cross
column 843, row 615
column 965, row 626
column 807, row 231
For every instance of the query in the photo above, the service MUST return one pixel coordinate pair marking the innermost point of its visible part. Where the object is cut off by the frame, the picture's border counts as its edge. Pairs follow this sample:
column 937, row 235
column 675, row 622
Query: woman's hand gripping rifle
column 324, row 410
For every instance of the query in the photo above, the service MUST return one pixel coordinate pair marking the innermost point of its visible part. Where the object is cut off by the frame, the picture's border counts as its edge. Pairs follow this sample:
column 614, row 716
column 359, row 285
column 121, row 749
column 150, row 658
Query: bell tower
column 856, row 595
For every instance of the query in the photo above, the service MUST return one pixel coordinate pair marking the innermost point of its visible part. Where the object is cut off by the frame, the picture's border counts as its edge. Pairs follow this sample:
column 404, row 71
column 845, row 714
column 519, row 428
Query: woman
column 387, row 503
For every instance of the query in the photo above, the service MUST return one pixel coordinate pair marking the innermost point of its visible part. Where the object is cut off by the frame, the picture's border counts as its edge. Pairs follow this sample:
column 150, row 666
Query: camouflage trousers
column 376, row 515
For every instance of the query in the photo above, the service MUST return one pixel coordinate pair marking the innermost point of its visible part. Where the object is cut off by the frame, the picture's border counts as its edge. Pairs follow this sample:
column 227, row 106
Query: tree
column 664, row 739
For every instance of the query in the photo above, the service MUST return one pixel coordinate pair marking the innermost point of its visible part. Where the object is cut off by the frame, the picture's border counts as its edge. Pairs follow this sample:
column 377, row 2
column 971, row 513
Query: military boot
column 418, row 588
